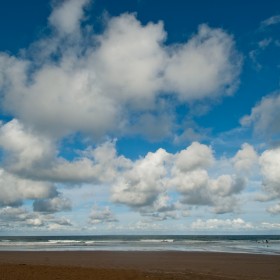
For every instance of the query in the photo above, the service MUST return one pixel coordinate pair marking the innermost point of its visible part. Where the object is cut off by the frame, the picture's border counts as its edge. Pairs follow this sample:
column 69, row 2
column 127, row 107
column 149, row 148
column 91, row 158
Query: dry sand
column 137, row 265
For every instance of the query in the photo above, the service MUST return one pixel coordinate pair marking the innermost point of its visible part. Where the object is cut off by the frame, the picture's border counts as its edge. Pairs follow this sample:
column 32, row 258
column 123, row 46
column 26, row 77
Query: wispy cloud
column 270, row 21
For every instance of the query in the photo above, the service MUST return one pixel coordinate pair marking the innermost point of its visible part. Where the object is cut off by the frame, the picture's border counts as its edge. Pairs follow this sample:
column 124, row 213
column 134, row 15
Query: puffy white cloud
column 200, row 68
column 269, row 162
column 51, row 205
column 140, row 185
column 206, row 66
column 270, row 226
column 159, row 186
column 226, row 185
column 227, row 204
column 65, row 91
column 190, row 177
column 211, row 224
column 197, row 188
column 66, row 16
column 275, row 209
column 195, row 156
column 113, row 79
column 101, row 215
column 58, row 224
column 146, row 184
column 161, row 209
column 146, row 226
column 245, row 159
column 162, row 204
column 100, row 164
column 23, row 149
column 130, row 68
column 13, row 71
column 46, row 198
column 124, row 81
column 265, row 116
column 15, row 190
column 270, row 168
column 34, row 156
column 19, row 218
column 193, row 186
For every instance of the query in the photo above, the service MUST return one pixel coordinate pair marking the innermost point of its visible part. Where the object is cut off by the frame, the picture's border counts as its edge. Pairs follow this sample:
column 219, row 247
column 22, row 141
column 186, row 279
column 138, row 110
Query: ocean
column 255, row 244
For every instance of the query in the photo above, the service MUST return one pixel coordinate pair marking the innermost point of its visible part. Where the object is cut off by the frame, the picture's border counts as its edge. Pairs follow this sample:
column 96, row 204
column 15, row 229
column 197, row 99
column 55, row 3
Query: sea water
column 255, row 244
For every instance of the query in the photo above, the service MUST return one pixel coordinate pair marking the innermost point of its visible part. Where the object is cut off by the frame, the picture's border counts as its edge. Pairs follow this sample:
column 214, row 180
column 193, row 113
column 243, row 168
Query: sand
column 137, row 265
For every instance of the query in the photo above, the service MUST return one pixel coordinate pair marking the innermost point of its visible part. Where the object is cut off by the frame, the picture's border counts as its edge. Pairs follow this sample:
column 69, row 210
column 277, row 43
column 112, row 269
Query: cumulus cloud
column 226, row 185
column 275, row 209
column 59, row 224
column 140, row 185
column 143, row 184
column 161, row 209
column 245, row 159
column 18, row 218
column 20, row 215
column 270, row 226
column 113, row 79
column 101, row 215
column 195, row 156
column 100, row 164
column 193, row 186
column 270, row 169
column 33, row 156
column 23, row 149
column 146, row 185
column 14, row 190
column 74, row 81
column 265, row 116
column 212, row 224
column 66, row 17
column 190, row 177
column 52, row 205
column 203, row 67
column 131, row 68
column 197, row 188
column 159, row 186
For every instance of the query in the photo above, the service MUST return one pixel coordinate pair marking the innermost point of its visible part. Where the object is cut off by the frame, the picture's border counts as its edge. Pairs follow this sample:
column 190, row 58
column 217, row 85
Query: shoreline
column 124, row 264
column 138, row 251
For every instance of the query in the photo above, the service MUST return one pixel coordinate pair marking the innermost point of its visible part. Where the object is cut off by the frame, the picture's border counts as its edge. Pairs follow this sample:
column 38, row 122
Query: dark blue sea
column 256, row 244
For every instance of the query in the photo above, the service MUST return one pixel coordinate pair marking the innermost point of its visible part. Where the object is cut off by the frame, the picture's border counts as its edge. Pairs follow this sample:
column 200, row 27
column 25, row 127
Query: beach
column 137, row 265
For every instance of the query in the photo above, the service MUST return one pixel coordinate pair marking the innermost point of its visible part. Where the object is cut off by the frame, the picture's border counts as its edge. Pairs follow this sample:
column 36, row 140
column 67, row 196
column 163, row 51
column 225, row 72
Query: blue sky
column 139, row 117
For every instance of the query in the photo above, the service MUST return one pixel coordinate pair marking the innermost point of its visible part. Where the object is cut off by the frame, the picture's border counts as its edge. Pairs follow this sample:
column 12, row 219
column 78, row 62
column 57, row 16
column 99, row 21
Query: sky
column 139, row 117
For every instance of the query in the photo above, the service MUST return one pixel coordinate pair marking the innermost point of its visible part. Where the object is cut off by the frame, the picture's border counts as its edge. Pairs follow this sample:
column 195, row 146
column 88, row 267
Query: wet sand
column 137, row 265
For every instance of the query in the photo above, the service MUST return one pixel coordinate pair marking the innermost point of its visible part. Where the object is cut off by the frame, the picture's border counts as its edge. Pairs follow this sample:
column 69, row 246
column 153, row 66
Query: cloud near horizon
column 145, row 185
column 158, row 186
